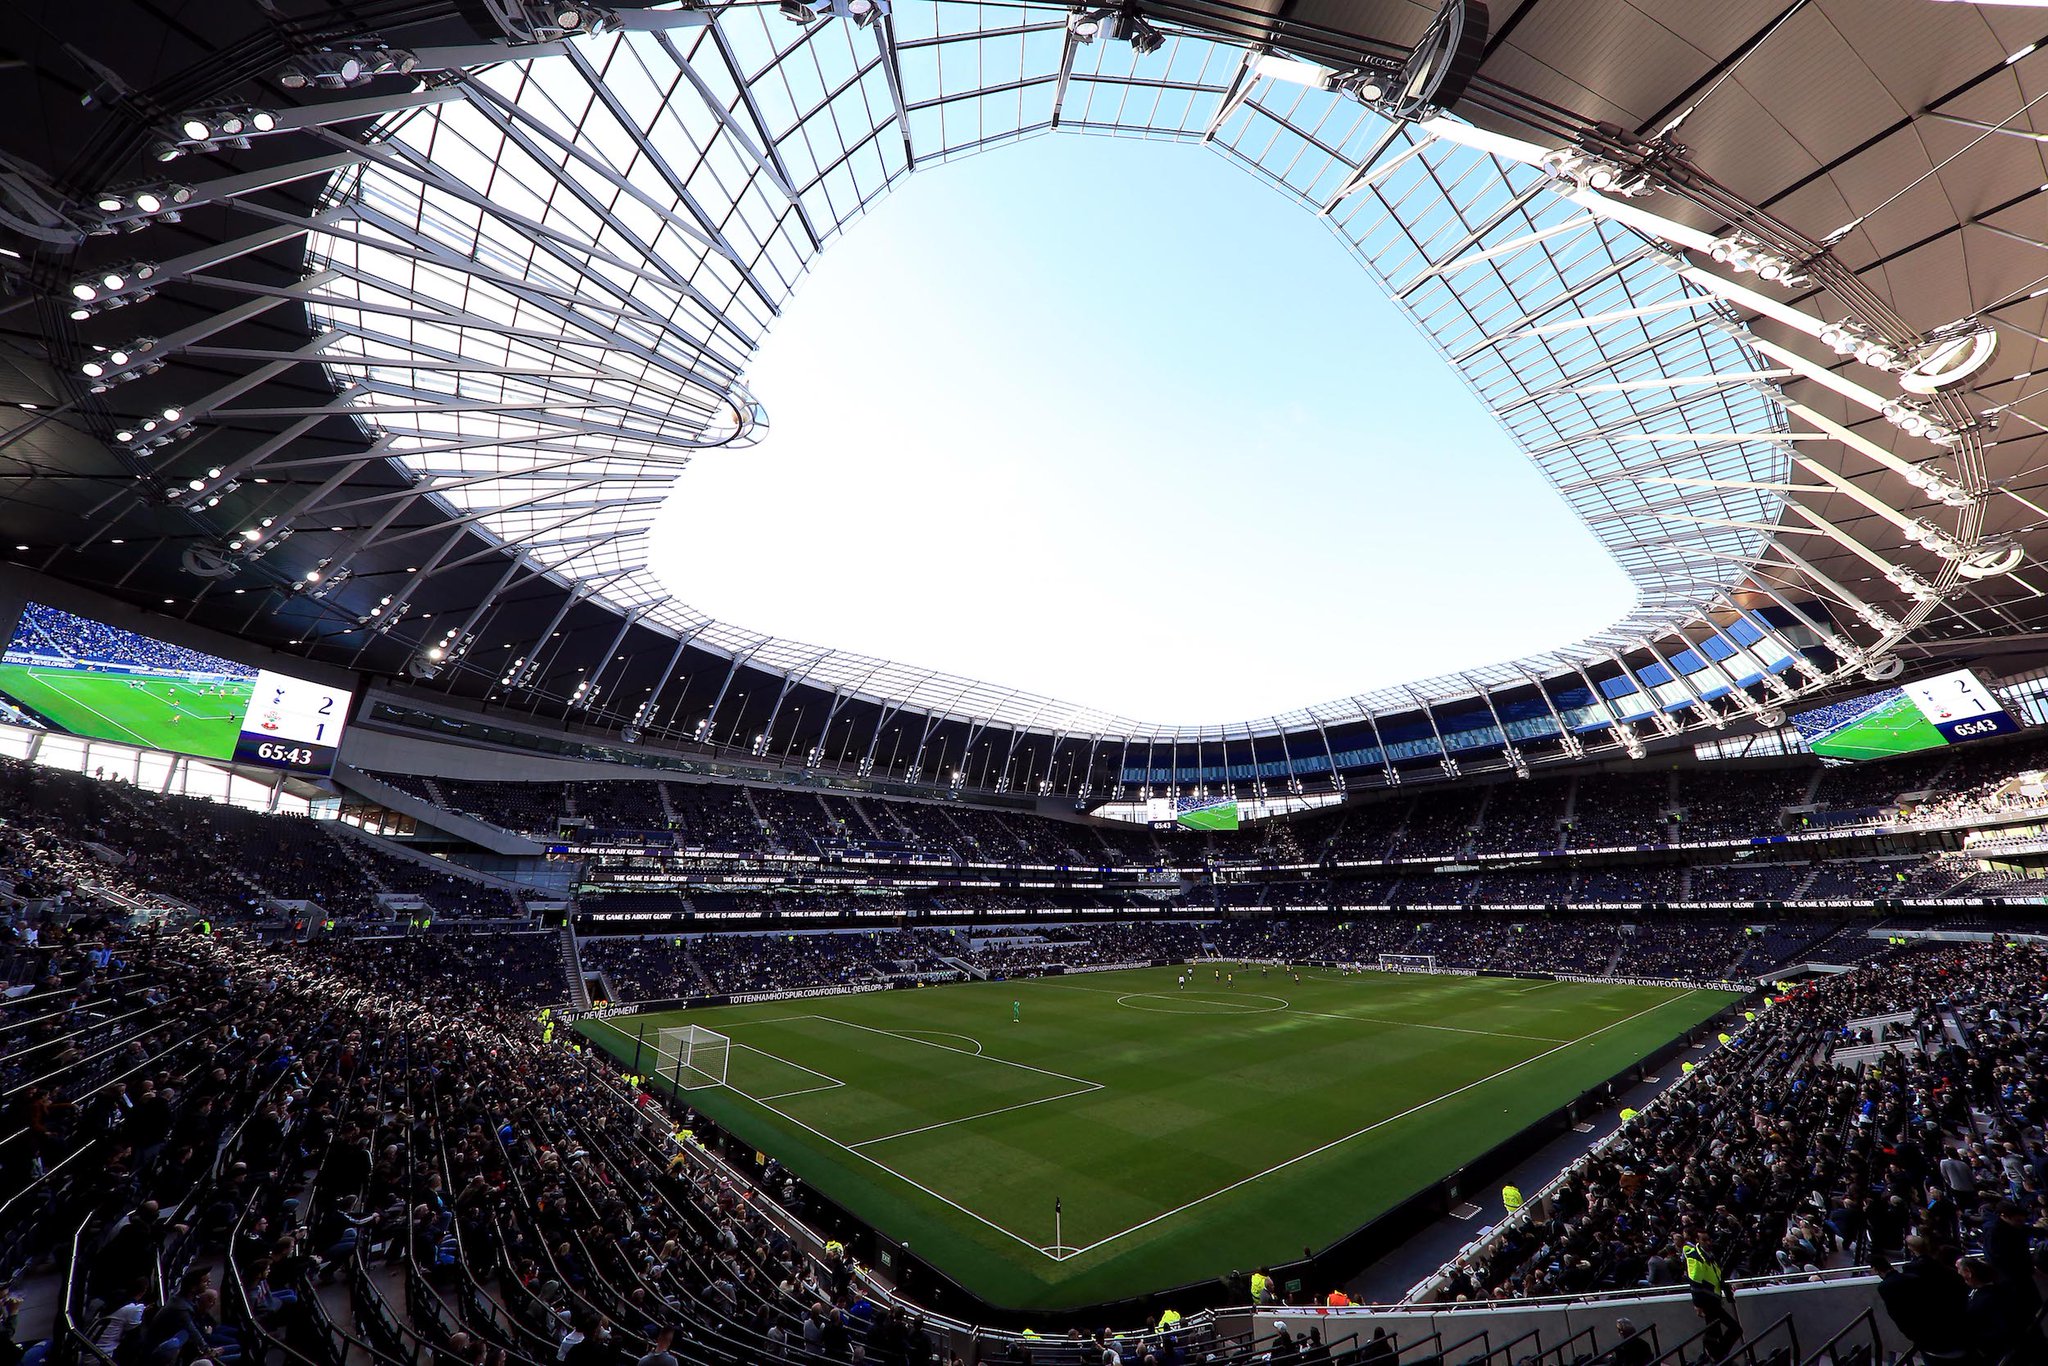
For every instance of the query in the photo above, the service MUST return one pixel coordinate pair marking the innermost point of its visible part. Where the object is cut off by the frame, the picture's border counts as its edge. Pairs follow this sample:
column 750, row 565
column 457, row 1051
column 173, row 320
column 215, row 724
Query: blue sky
column 1112, row 421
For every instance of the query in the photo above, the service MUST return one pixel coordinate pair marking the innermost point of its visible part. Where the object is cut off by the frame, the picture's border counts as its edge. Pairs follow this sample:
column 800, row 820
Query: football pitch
column 1185, row 1133
column 1895, row 726
column 204, row 721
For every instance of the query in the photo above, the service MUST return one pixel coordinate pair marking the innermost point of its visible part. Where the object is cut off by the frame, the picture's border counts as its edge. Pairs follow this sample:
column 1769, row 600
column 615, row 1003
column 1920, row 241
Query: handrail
column 255, row 1326
column 110, row 1048
column 94, row 1027
column 1746, row 1349
column 1506, row 1351
column 86, row 1146
column 77, row 1336
column 1556, row 1351
column 54, row 1014
column 505, row 1328
column 1826, row 1351
column 1482, row 1337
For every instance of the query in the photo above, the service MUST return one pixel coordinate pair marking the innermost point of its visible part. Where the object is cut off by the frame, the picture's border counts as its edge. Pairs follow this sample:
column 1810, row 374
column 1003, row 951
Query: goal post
column 692, row 1056
column 1407, row 962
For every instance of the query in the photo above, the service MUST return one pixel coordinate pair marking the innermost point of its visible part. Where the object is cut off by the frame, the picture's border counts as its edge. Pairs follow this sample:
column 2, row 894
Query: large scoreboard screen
column 1943, row 710
column 84, row 677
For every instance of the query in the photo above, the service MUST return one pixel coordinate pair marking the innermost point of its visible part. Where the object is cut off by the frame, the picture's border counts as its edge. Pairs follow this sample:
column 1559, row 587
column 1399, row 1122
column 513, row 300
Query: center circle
column 1177, row 1003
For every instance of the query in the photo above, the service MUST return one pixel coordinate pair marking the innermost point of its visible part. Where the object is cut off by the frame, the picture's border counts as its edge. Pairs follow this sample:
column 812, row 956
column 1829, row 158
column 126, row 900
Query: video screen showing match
column 69, row 673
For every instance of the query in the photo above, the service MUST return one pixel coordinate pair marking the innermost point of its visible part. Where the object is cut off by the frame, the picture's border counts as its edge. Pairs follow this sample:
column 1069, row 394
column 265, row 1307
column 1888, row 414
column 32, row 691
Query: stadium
column 436, row 932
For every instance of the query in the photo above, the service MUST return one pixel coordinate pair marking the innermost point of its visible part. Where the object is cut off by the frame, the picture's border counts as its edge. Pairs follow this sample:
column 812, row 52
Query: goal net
column 692, row 1057
column 1408, row 962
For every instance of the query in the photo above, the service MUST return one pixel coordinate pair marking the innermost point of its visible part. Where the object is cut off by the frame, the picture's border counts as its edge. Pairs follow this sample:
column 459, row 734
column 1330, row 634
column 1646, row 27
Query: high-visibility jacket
column 1627, row 1114
column 1701, row 1269
column 1338, row 1299
column 1169, row 1319
column 1262, row 1287
column 1511, row 1196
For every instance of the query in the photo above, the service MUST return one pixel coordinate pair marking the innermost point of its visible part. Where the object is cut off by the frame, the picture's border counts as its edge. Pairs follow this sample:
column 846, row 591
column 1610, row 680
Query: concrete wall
column 1817, row 1313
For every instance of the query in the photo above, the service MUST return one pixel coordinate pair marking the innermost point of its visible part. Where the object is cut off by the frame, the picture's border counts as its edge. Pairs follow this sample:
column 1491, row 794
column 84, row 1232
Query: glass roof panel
column 550, row 288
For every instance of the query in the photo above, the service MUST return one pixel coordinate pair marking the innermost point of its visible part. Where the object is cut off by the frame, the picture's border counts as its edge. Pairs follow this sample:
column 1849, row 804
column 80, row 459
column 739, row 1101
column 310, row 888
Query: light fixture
column 1921, row 420
column 1127, row 25
column 203, row 129
column 328, row 70
column 149, row 200
column 344, row 68
column 863, row 13
column 1924, row 532
column 543, row 21
column 1854, row 337
column 1912, row 585
column 1585, row 171
column 113, row 281
column 1932, row 480
column 1745, row 254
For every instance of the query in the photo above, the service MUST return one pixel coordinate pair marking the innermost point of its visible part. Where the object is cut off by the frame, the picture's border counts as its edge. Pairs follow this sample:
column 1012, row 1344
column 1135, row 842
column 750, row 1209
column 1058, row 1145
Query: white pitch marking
column 949, row 1034
column 827, row 1076
column 990, row 1057
column 1335, row 1142
column 965, row 1119
column 785, row 1095
column 883, row 1166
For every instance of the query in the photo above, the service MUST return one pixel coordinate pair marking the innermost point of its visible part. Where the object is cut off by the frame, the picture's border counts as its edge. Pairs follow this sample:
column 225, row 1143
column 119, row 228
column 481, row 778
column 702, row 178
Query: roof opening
column 1105, row 424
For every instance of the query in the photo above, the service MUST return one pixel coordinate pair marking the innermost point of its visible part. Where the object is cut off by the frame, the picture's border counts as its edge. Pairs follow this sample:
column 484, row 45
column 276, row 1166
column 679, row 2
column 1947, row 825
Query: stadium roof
column 439, row 341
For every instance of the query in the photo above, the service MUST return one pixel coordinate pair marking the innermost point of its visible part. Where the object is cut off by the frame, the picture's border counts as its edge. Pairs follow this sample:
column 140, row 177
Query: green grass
column 1896, row 727
column 1219, row 817
column 1186, row 1133
column 105, row 707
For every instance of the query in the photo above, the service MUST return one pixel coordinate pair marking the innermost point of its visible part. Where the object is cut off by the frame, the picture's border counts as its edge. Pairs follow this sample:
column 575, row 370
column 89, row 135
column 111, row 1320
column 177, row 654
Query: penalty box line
column 883, row 1166
column 1377, row 1124
column 1082, row 1086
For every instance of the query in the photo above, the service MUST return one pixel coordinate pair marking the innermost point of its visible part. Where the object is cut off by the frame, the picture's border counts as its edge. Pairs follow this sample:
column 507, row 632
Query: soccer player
column 1016, row 1012
column 1230, row 980
column 1183, row 981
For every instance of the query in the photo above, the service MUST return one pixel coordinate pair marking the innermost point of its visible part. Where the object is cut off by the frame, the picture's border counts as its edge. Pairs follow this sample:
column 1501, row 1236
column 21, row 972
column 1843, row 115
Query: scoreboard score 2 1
column 292, row 724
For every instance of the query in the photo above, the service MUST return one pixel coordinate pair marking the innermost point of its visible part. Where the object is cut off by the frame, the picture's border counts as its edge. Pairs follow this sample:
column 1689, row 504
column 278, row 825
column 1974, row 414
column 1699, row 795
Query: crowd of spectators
column 67, row 838
column 620, row 804
column 259, row 1121
column 51, row 630
column 1773, row 1158
column 662, row 967
column 305, row 1127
